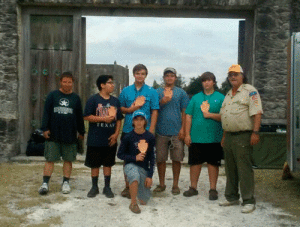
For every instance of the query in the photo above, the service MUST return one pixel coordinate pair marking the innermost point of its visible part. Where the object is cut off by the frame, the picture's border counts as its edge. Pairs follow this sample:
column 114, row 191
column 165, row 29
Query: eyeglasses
column 233, row 74
column 110, row 82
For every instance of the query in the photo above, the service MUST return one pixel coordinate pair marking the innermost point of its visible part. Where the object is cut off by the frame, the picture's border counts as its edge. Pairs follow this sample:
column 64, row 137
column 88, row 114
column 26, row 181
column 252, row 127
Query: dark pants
column 238, row 166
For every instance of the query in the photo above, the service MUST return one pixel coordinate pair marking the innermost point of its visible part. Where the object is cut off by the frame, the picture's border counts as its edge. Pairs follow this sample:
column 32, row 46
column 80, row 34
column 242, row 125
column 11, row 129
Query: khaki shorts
column 54, row 151
column 166, row 143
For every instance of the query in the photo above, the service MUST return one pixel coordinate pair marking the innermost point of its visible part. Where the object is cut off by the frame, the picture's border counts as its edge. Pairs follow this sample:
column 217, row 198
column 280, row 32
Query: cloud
column 191, row 45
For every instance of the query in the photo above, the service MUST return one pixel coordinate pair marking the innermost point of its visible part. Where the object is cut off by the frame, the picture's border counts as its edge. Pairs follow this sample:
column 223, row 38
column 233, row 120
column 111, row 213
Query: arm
column 154, row 116
column 183, row 123
column 46, row 117
column 223, row 139
column 80, row 122
column 255, row 136
column 114, row 137
column 188, row 124
column 96, row 119
column 130, row 109
column 164, row 100
column 214, row 116
column 123, row 153
column 148, row 181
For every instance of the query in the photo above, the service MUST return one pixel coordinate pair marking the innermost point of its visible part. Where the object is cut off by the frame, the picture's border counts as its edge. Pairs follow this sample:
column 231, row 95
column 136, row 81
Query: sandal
column 159, row 188
column 134, row 208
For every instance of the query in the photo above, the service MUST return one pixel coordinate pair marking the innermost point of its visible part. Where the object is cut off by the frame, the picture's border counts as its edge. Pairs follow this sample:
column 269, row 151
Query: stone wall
column 270, row 64
column 8, row 79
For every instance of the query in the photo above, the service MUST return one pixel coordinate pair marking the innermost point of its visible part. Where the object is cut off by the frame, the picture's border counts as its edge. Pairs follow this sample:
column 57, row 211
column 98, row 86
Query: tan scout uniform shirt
column 236, row 111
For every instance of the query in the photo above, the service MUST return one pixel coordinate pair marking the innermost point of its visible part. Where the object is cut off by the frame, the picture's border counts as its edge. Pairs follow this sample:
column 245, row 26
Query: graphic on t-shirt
column 103, row 111
column 63, row 108
column 64, row 102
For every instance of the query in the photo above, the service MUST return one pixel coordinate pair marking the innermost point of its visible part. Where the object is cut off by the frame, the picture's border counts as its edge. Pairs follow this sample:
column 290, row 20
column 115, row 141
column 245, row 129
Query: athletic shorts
column 166, row 143
column 100, row 156
column 54, row 151
column 139, row 174
column 212, row 153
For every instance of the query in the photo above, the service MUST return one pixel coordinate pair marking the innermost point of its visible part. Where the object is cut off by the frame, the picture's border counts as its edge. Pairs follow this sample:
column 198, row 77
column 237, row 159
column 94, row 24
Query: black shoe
column 213, row 194
column 190, row 192
column 93, row 192
column 108, row 193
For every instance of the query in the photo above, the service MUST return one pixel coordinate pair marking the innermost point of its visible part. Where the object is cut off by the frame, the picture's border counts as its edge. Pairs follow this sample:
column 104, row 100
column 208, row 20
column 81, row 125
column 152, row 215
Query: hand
column 113, row 139
column 148, row 182
column 254, row 139
column 47, row 134
column 133, row 108
column 206, row 114
column 109, row 119
column 223, row 141
column 81, row 137
column 140, row 157
column 188, row 140
column 181, row 134
column 140, row 101
column 143, row 146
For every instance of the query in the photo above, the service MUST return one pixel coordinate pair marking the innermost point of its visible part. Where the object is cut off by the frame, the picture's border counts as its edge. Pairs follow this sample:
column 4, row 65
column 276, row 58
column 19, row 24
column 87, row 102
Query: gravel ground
column 163, row 209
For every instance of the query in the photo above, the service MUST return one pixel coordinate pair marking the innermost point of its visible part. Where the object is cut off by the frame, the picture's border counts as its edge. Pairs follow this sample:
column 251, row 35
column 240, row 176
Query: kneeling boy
column 137, row 150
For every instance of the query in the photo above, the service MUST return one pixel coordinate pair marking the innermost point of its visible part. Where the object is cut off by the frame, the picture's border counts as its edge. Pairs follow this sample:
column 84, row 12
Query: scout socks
column 66, row 179
column 95, row 182
column 107, row 181
column 46, row 179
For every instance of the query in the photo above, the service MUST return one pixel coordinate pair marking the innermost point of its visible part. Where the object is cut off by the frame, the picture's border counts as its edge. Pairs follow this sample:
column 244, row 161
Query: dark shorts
column 100, row 156
column 212, row 153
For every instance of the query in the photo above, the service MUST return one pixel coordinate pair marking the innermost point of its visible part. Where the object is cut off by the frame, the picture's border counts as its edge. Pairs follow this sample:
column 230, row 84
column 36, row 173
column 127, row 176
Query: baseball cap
column 235, row 68
column 170, row 69
column 138, row 113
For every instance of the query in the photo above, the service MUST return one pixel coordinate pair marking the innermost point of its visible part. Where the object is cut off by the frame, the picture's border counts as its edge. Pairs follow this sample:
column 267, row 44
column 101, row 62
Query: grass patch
column 19, row 185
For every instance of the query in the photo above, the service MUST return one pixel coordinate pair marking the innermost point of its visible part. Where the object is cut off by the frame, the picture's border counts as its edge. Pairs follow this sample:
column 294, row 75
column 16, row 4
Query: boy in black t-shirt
column 137, row 150
column 103, row 113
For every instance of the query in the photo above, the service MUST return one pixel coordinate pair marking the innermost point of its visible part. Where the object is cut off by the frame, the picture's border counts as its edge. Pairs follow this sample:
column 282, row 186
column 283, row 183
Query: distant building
column 120, row 74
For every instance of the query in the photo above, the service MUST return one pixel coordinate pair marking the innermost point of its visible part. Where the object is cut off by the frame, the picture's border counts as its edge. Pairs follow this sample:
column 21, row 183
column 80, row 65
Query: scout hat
column 235, row 68
column 170, row 69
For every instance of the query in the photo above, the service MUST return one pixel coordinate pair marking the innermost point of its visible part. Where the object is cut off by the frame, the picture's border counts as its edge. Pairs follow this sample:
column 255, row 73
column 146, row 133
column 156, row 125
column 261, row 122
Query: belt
column 239, row 132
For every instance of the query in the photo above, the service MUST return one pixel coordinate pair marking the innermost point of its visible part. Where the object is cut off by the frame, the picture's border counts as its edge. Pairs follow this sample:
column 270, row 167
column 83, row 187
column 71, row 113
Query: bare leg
column 213, row 173
column 161, row 168
column 67, row 169
column 176, row 167
column 107, row 172
column 133, row 187
column 48, row 169
column 194, row 175
column 95, row 172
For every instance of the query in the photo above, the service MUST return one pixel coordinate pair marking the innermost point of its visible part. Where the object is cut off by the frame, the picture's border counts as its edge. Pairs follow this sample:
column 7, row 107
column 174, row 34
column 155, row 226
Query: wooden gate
column 53, row 44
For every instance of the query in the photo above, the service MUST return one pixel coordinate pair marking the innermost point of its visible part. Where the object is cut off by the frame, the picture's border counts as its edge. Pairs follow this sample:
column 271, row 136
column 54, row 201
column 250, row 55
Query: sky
column 190, row 45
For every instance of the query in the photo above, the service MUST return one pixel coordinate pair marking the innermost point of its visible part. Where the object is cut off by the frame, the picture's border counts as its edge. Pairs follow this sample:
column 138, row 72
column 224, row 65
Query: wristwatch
column 255, row 132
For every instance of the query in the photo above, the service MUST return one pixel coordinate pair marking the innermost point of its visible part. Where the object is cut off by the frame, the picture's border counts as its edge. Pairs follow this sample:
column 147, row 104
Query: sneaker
column 190, row 192
column 108, row 193
column 44, row 189
column 65, row 187
column 175, row 191
column 213, row 194
column 248, row 208
column 93, row 192
column 159, row 188
column 125, row 193
column 135, row 208
column 229, row 203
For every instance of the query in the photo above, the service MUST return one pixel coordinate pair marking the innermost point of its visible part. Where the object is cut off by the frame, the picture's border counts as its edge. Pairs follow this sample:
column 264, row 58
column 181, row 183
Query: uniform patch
column 252, row 93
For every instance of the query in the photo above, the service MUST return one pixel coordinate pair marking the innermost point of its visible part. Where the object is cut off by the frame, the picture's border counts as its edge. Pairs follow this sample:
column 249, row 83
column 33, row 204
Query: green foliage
column 155, row 85
column 225, row 87
column 194, row 87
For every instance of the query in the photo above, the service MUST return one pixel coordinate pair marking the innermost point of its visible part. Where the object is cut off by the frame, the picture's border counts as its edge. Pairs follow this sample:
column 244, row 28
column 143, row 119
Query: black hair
column 66, row 74
column 102, row 79
column 139, row 67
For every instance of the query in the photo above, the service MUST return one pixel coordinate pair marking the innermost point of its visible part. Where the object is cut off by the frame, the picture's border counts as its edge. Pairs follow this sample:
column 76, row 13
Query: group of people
column 157, row 122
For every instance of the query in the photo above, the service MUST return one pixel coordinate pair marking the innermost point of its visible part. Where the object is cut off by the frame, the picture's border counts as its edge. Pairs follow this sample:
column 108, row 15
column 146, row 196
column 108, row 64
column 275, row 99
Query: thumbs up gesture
column 143, row 146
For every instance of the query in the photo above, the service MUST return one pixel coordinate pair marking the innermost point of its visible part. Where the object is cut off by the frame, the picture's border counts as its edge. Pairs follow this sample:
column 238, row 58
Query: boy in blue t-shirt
column 104, row 115
column 137, row 151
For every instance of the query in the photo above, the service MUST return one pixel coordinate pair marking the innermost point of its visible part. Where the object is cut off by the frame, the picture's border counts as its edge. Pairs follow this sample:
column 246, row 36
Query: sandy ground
column 163, row 209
